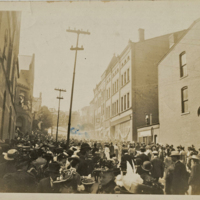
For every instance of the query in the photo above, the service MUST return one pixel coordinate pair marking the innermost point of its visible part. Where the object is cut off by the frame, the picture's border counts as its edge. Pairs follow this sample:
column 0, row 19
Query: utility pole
column 59, row 98
column 78, row 32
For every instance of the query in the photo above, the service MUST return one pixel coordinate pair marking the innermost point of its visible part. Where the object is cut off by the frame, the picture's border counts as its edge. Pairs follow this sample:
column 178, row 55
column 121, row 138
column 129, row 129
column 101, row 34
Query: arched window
column 3, row 113
column 183, row 64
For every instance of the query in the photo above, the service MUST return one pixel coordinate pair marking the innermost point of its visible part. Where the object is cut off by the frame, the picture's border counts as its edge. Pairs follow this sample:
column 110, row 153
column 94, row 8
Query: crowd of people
column 98, row 167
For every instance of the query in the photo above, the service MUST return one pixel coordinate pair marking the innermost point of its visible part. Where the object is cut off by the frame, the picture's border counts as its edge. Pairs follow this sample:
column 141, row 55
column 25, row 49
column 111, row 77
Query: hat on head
column 147, row 166
column 175, row 154
column 75, row 158
column 11, row 154
column 155, row 152
column 53, row 167
column 85, row 146
column 195, row 157
column 148, row 147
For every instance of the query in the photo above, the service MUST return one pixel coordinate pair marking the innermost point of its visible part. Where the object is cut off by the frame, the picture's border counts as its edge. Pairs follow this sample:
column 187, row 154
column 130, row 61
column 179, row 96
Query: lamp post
column 78, row 32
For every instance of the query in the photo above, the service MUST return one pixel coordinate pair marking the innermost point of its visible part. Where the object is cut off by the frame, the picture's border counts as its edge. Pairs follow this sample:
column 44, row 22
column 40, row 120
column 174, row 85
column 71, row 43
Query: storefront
column 148, row 134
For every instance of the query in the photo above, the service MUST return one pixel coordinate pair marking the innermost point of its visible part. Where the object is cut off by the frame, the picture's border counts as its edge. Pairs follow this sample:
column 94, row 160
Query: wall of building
column 9, row 71
column 177, row 128
column 146, row 56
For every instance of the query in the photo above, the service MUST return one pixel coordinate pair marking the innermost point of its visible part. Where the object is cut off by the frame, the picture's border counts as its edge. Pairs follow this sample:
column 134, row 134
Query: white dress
column 107, row 153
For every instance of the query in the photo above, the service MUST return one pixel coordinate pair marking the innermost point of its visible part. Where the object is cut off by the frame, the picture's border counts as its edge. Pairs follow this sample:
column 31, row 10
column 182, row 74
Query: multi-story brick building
column 179, row 84
column 24, row 96
column 128, row 89
column 9, row 70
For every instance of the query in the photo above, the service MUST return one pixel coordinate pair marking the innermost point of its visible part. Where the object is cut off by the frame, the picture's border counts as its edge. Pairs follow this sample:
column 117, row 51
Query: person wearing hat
column 176, row 176
column 149, row 152
column 194, row 179
column 40, row 160
column 46, row 184
column 9, row 165
column 71, row 180
column 183, row 155
column 83, row 154
column 106, row 184
column 142, row 155
column 22, row 180
column 157, row 167
column 125, row 157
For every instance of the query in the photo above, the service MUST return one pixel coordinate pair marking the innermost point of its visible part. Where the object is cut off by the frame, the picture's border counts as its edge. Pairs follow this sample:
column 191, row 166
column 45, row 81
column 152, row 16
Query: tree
column 45, row 117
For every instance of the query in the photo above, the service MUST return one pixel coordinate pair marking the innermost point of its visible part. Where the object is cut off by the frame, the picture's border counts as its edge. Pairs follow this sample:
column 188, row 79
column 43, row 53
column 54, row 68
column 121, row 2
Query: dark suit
column 194, row 179
column 143, row 157
column 44, row 186
column 20, row 181
column 83, row 166
column 176, row 179
column 158, row 168
column 125, row 158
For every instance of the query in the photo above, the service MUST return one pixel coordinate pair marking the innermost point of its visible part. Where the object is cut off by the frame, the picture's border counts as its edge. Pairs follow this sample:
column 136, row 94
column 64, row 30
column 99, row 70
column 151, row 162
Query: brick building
column 128, row 90
column 179, row 84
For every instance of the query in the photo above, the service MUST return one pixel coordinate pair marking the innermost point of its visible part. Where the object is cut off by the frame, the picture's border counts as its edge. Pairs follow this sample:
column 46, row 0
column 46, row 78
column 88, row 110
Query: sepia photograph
column 100, row 97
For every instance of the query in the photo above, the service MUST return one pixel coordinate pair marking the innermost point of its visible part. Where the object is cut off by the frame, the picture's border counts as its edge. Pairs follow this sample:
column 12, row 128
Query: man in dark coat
column 46, row 185
column 111, row 150
column 21, row 181
column 83, row 165
column 158, row 166
column 143, row 156
column 194, row 179
column 125, row 157
column 176, row 176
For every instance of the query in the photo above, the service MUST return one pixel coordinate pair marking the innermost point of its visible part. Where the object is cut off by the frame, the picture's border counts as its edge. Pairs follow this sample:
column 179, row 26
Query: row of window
column 125, row 102
column 128, row 58
column 125, row 77
column 115, row 86
column 115, row 108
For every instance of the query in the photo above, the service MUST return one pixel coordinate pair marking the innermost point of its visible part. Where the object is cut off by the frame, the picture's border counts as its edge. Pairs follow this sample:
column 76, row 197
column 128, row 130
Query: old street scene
column 100, row 98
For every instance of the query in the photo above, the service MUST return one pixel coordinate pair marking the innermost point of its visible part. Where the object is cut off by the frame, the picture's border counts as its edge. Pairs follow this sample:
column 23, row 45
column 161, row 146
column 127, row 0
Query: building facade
column 24, row 96
column 128, row 90
column 179, row 82
column 9, row 71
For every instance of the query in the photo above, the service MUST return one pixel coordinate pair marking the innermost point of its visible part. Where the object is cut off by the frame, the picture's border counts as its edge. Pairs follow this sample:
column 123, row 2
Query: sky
column 111, row 24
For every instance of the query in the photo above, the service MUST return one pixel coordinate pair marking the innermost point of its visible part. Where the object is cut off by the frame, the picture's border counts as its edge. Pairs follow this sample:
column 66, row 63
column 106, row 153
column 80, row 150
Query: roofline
column 186, row 31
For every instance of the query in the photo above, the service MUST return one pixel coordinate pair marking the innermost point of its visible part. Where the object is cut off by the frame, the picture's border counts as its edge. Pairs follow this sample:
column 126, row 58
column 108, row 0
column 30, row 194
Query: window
column 127, row 74
column 122, row 80
column 109, row 112
column 183, row 65
column 121, row 104
column 124, row 77
column 184, row 94
column 117, row 84
column 127, row 100
column 124, row 102
column 117, row 107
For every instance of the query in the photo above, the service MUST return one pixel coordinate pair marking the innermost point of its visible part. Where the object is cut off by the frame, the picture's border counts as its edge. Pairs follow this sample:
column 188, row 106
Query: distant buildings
column 128, row 90
column 179, row 86
column 9, row 71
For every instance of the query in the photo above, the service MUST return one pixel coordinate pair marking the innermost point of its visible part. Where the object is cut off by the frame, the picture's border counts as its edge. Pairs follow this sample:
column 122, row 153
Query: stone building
column 9, row 71
column 24, row 96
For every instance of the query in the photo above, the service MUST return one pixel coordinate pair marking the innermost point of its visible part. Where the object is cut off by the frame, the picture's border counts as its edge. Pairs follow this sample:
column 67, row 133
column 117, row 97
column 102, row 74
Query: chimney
column 151, row 119
column 141, row 34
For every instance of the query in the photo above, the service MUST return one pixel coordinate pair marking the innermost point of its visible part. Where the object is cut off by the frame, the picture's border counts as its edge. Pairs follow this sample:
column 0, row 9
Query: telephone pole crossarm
column 78, row 32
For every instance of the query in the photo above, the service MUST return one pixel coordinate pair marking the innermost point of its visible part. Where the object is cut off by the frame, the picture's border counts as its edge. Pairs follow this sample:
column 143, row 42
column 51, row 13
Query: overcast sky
column 43, row 32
